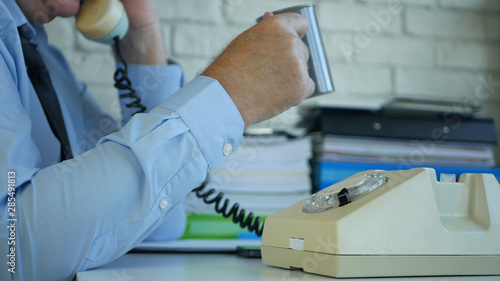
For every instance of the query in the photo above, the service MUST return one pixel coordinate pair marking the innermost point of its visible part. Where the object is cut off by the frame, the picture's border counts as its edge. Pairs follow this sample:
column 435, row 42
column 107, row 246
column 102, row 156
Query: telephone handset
column 106, row 21
column 102, row 20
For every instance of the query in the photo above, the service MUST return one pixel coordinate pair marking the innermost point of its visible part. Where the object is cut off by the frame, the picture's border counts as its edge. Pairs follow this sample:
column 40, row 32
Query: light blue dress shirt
column 122, row 183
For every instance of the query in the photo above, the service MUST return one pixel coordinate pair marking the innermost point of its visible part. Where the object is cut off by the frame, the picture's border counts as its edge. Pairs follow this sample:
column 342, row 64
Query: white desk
column 217, row 267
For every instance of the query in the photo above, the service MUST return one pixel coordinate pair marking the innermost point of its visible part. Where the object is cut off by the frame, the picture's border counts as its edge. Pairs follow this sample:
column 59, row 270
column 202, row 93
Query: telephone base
column 391, row 224
column 348, row 266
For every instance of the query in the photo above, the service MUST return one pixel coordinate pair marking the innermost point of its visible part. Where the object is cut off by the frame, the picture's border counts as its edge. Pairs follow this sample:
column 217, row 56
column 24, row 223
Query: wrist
column 244, row 106
column 144, row 46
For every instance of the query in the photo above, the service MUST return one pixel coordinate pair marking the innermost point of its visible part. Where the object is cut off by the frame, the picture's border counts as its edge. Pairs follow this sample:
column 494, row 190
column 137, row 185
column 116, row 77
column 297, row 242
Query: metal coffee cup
column 319, row 70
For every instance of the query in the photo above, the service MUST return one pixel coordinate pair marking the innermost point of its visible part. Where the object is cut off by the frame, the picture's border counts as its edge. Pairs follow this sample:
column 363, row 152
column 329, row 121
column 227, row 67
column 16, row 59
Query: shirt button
column 227, row 149
column 26, row 31
column 163, row 203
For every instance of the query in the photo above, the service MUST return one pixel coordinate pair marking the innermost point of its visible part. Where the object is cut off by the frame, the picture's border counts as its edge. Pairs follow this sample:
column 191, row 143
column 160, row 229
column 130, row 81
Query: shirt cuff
column 211, row 115
column 153, row 85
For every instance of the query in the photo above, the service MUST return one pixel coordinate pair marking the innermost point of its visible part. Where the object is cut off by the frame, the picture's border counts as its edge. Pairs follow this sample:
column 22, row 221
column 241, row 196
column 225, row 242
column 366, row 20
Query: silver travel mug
column 319, row 70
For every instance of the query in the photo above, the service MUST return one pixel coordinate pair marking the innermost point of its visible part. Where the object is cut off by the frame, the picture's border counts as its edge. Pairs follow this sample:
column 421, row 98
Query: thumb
column 268, row 14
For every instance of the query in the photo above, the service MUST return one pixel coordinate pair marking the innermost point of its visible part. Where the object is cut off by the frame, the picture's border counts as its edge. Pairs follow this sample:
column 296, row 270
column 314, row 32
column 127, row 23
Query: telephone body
column 102, row 20
column 390, row 223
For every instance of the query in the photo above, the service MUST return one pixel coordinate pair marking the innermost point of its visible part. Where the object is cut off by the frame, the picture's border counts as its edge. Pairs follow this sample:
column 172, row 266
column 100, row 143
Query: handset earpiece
column 102, row 20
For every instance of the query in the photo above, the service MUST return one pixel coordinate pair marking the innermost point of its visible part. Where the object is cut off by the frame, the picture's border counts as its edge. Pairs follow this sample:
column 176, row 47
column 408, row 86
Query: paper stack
column 399, row 136
column 404, row 152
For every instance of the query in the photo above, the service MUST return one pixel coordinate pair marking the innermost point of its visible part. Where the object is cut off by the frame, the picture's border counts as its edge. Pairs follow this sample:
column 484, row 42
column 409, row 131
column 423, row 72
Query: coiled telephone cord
column 237, row 214
column 122, row 82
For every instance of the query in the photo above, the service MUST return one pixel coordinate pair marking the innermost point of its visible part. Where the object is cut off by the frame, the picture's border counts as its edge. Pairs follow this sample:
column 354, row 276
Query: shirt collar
column 16, row 12
column 37, row 32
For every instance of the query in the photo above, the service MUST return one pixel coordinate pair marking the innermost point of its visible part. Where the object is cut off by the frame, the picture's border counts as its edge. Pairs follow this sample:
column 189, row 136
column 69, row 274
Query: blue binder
column 328, row 173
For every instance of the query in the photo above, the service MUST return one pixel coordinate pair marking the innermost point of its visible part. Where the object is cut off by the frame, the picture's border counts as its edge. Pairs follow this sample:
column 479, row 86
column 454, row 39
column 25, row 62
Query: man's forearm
column 144, row 46
column 143, row 43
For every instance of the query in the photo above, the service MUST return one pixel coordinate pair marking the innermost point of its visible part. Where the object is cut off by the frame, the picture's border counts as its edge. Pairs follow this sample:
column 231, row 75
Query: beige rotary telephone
column 102, row 20
column 391, row 223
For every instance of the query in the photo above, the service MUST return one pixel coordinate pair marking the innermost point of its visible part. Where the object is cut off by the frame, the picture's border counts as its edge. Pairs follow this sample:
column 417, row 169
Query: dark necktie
column 40, row 79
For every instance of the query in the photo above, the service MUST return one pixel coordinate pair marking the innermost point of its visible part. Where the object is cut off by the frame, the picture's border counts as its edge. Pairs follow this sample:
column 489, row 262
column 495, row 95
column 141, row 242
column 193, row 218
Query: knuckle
column 276, row 23
column 311, row 87
column 295, row 43
column 304, row 82
column 298, row 48
column 307, row 86
column 297, row 63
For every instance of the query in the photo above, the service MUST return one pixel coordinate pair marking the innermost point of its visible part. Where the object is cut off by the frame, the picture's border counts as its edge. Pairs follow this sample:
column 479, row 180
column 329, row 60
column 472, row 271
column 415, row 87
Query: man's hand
column 143, row 43
column 264, row 70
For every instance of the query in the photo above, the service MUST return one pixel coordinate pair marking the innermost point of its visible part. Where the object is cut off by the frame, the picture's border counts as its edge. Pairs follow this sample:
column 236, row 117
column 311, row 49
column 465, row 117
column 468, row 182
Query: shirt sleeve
column 153, row 84
column 87, row 211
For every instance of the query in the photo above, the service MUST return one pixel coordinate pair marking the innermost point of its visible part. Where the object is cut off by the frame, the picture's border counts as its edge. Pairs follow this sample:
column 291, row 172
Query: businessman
column 67, row 208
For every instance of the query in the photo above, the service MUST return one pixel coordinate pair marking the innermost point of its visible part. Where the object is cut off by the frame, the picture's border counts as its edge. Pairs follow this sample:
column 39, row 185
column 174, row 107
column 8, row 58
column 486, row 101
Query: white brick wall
column 444, row 23
column 469, row 55
column 427, row 83
column 199, row 11
column 398, row 51
column 479, row 5
column 492, row 24
column 203, row 41
column 366, row 80
column 377, row 49
column 247, row 11
column 348, row 16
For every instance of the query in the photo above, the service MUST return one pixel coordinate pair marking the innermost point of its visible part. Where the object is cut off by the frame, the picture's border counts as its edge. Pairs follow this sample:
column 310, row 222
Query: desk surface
column 220, row 267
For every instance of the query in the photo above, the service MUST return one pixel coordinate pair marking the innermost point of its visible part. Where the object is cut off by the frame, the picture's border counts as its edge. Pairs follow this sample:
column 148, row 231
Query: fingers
column 292, row 23
column 310, row 87
column 298, row 23
column 307, row 83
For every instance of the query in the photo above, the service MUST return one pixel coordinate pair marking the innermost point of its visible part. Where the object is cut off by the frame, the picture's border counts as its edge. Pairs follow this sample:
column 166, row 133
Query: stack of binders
column 266, row 174
column 398, row 137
